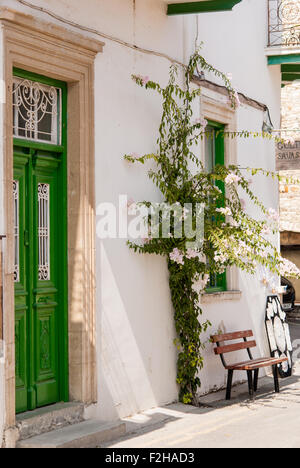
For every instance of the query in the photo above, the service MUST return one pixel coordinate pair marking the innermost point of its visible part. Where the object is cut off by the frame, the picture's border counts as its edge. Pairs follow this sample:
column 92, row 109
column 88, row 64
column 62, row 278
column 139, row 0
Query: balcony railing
column 284, row 23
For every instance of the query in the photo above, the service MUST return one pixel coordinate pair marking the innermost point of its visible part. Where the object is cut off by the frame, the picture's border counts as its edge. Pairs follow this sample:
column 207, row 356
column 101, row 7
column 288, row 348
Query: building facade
column 289, row 192
column 85, row 319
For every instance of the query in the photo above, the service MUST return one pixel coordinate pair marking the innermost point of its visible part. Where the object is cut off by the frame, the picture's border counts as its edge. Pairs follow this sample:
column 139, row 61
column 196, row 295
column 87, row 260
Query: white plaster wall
column 136, row 359
column 249, row 312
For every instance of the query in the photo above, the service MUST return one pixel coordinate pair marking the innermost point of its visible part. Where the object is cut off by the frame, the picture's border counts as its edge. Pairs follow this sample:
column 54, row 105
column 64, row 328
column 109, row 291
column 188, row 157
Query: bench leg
column 250, row 384
column 229, row 385
column 276, row 380
column 256, row 374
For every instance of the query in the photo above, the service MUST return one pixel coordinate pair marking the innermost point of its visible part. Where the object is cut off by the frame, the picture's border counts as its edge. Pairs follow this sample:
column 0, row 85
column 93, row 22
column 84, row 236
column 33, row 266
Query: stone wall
column 290, row 193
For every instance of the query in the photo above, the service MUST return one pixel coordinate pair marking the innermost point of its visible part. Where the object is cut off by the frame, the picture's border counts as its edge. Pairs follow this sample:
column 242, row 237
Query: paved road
column 271, row 421
column 295, row 331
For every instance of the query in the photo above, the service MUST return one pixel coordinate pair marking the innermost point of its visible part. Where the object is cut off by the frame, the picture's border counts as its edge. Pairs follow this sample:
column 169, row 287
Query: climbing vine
column 231, row 237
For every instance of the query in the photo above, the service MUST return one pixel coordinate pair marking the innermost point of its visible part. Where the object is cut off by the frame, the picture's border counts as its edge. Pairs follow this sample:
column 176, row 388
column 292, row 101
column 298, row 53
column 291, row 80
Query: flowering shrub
column 231, row 236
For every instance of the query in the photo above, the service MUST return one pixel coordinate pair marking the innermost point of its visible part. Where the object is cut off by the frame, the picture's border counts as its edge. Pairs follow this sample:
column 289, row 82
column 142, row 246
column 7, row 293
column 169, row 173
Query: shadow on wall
column 136, row 354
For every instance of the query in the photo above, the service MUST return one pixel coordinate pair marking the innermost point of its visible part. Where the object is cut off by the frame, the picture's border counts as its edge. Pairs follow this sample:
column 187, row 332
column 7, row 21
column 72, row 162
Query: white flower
column 288, row 268
column 192, row 254
column 177, row 257
column 224, row 211
column 243, row 204
column 264, row 254
column 234, row 223
column 200, row 283
column 266, row 230
column 273, row 215
column 221, row 258
column 232, row 179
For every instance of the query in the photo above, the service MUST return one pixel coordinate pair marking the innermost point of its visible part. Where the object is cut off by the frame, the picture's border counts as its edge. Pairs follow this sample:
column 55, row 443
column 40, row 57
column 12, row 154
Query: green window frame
column 215, row 155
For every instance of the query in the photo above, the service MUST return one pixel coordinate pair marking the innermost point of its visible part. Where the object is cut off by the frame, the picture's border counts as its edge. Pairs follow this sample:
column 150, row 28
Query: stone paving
column 270, row 421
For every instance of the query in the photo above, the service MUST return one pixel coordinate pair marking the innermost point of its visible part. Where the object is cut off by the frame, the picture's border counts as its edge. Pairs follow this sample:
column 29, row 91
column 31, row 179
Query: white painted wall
column 136, row 356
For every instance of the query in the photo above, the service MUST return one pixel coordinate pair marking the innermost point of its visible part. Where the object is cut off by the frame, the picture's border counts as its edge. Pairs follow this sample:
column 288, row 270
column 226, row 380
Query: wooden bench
column 250, row 366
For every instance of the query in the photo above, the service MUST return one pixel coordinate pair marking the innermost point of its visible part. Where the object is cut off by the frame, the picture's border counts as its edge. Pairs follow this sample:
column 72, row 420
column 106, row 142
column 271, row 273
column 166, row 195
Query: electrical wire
column 117, row 40
column 101, row 34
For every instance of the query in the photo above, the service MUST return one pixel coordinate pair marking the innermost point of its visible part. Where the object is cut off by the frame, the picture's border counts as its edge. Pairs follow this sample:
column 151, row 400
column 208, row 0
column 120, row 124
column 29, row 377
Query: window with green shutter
column 214, row 155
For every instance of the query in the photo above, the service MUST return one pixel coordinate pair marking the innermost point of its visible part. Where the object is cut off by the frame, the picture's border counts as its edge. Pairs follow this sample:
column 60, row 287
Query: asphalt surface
column 270, row 421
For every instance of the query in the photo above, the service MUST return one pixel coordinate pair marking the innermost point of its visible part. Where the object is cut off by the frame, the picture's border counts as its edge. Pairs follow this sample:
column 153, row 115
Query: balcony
column 284, row 24
column 284, row 38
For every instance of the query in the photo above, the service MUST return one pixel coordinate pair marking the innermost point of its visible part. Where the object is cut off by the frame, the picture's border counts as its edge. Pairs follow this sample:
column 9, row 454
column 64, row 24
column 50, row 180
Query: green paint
column 218, row 283
column 41, row 307
column 283, row 59
column 293, row 68
column 290, row 76
column 186, row 8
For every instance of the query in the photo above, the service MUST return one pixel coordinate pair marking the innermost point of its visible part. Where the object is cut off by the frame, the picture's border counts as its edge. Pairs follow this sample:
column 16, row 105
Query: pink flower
column 288, row 268
column 266, row 230
column 273, row 215
column 192, row 254
column 243, row 203
column 177, row 256
column 135, row 156
column 232, row 179
column 200, row 283
column 145, row 80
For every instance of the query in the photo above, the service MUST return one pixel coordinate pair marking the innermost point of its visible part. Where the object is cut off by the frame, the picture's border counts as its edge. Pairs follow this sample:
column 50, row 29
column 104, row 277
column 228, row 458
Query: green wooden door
column 39, row 190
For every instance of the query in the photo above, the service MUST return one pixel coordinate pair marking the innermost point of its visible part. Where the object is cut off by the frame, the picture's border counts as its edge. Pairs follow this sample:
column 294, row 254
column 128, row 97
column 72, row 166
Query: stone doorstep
column 47, row 419
column 87, row 434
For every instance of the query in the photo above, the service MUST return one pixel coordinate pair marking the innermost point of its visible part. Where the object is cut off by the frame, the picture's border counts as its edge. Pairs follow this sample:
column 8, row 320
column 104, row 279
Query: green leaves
column 231, row 237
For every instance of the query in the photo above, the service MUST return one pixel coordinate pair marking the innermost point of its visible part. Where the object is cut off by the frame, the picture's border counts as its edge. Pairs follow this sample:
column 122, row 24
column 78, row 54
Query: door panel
column 21, row 158
column 40, row 201
column 37, row 288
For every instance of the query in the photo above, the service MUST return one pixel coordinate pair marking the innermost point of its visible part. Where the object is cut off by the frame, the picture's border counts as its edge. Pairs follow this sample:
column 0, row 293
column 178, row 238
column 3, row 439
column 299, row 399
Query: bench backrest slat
column 232, row 336
column 235, row 347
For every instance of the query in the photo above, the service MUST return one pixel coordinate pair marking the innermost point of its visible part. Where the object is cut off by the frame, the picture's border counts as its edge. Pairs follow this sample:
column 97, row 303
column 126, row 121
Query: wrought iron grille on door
column 36, row 111
column 284, row 23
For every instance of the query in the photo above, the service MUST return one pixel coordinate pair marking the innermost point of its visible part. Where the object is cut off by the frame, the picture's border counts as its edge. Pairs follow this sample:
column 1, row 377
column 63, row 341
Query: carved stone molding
column 41, row 47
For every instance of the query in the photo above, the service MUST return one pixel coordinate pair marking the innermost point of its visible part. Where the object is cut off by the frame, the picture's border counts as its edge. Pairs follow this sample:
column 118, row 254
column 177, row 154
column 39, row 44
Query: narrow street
column 268, row 422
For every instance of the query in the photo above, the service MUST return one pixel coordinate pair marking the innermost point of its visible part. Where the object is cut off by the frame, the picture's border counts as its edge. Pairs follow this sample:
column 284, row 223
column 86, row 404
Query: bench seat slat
column 235, row 347
column 256, row 364
column 232, row 336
